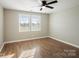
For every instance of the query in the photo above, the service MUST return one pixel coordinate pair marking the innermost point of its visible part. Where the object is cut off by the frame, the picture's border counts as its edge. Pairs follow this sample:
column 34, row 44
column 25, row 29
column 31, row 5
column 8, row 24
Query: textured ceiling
column 34, row 5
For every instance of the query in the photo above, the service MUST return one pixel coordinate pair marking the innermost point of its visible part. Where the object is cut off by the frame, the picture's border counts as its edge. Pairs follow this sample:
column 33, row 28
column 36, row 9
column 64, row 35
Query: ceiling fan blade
column 41, row 9
column 52, row 2
column 49, row 7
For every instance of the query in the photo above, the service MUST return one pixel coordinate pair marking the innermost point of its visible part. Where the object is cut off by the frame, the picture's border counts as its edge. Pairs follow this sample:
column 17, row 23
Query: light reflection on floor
column 28, row 53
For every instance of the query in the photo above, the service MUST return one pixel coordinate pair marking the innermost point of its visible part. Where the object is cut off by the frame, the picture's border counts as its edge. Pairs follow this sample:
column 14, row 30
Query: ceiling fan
column 45, row 4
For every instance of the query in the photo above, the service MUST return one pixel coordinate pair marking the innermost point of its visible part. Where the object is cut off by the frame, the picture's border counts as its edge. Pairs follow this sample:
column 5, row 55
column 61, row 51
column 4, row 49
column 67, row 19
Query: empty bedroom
column 39, row 28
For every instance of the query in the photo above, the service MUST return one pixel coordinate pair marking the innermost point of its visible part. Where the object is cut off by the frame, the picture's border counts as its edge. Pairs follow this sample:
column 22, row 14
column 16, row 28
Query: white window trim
column 30, row 22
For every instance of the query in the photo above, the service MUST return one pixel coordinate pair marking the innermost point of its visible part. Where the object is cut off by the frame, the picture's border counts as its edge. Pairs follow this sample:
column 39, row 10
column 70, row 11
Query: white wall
column 1, row 27
column 12, row 26
column 64, row 25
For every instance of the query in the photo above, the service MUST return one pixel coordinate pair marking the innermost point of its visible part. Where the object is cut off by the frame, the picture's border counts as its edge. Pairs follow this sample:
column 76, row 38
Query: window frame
column 39, row 21
column 19, row 22
column 30, row 22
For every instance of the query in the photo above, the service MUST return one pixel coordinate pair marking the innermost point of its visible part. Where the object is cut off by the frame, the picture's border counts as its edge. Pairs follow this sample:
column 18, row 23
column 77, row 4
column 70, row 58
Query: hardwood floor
column 45, row 48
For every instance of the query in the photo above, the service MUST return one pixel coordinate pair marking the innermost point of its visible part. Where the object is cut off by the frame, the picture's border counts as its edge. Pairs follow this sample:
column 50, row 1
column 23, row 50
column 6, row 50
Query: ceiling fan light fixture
column 43, row 7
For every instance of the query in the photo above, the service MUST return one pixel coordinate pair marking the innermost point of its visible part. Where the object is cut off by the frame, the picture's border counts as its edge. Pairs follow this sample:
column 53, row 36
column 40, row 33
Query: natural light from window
column 29, row 23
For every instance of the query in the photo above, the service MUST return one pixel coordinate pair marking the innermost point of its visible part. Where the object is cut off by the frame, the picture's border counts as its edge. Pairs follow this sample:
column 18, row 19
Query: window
column 24, row 23
column 35, row 23
column 29, row 23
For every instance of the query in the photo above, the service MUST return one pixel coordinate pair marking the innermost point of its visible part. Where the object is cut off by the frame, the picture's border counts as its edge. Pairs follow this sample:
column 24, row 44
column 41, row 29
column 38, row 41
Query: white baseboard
column 64, row 42
column 25, row 39
column 1, row 47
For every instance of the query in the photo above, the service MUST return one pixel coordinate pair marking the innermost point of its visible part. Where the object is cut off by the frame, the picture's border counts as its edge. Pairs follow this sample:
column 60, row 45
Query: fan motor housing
column 44, row 3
